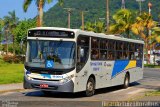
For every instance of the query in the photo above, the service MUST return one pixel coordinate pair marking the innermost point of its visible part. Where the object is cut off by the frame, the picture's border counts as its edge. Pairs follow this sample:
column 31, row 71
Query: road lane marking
column 135, row 91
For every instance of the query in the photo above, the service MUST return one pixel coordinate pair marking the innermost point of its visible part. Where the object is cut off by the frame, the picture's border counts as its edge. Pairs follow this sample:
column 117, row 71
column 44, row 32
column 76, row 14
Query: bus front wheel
column 126, row 81
column 26, row 85
column 90, row 87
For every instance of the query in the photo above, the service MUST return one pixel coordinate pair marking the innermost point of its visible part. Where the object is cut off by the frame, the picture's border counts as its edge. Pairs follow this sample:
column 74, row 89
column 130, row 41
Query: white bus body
column 104, row 71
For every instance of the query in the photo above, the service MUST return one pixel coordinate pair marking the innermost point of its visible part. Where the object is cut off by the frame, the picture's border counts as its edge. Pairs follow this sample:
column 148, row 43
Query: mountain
column 94, row 10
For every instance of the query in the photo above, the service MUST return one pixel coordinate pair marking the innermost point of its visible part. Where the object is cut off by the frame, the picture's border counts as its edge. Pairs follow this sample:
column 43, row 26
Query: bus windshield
column 51, row 54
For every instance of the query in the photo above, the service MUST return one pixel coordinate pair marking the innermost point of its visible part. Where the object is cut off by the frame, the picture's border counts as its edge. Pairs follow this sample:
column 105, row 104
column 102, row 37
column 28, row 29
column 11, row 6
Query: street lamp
column 149, row 9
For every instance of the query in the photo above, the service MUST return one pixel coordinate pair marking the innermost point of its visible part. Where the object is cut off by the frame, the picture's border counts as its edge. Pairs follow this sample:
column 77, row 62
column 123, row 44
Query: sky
column 17, row 5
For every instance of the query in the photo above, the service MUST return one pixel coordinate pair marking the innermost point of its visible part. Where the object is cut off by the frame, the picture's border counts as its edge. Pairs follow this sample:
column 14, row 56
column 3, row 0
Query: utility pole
column 69, row 10
column 107, row 15
column 82, row 15
column 123, row 4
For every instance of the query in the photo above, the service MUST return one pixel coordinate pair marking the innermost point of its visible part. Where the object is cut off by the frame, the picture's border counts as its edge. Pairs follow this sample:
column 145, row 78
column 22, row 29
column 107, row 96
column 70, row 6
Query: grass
column 153, row 93
column 10, row 73
column 151, row 66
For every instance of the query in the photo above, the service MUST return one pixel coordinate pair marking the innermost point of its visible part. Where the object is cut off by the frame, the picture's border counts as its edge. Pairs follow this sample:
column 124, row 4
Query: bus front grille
column 44, row 79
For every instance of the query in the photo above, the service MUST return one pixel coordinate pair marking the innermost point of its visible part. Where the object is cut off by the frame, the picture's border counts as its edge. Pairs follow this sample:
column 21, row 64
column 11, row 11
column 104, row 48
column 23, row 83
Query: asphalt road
column 33, row 98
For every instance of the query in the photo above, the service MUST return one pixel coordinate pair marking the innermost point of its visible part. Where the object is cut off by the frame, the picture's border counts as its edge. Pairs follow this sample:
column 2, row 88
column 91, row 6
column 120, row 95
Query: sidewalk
column 9, row 87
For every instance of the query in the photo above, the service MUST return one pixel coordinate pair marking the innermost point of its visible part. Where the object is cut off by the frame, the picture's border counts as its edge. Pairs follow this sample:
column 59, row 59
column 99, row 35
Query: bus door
column 82, row 67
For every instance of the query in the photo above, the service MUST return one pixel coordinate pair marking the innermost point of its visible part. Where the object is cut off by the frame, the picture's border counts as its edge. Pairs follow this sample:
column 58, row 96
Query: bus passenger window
column 111, row 55
column 119, row 55
column 125, row 55
column 95, row 43
column 95, row 54
column 103, row 54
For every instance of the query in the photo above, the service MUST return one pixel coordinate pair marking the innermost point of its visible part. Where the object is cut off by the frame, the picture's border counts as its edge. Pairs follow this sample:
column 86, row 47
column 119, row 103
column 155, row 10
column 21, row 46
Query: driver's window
column 82, row 51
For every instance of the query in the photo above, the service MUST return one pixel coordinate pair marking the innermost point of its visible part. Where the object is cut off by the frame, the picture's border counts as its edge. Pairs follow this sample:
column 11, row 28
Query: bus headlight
column 28, row 72
column 27, row 75
column 64, row 80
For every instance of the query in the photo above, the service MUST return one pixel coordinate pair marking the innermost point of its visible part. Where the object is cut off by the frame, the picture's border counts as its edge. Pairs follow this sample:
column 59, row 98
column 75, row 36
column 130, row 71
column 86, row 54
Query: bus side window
column 82, row 51
column 125, row 51
column 111, row 50
column 95, row 53
column 103, row 49
column 139, row 51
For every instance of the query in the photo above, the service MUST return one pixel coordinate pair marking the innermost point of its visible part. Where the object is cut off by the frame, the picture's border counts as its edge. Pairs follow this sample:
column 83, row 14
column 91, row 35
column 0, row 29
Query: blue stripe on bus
column 119, row 66
column 122, row 65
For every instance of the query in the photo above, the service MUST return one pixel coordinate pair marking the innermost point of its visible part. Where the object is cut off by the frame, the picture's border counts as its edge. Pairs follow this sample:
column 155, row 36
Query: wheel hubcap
column 126, row 82
column 90, row 86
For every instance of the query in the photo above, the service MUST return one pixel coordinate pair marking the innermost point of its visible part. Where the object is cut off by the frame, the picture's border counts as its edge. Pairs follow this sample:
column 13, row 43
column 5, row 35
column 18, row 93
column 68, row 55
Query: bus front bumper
column 55, row 86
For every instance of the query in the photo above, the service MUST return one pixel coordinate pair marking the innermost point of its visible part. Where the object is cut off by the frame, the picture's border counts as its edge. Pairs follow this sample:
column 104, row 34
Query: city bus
column 72, row 60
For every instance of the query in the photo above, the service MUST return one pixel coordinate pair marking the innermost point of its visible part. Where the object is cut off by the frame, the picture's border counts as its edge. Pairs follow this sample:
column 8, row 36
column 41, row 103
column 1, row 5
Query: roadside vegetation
column 10, row 73
column 152, row 66
column 153, row 93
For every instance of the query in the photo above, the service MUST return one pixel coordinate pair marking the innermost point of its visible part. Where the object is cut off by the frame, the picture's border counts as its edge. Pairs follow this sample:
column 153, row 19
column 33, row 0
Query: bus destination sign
column 50, row 33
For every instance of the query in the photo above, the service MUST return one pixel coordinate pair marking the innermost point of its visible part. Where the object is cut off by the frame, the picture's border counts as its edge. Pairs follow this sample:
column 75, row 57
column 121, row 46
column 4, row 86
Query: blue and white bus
column 72, row 60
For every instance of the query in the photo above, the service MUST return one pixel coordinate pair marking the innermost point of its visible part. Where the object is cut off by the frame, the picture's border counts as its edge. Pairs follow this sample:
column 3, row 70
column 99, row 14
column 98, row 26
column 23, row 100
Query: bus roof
column 90, row 33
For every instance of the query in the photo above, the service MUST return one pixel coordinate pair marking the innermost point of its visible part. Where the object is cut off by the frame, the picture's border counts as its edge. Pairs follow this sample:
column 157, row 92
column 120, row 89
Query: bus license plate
column 43, row 85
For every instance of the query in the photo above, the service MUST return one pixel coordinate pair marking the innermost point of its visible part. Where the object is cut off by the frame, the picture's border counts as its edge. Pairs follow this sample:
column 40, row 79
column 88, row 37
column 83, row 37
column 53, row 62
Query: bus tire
column 26, row 85
column 126, row 81
column 90, row 87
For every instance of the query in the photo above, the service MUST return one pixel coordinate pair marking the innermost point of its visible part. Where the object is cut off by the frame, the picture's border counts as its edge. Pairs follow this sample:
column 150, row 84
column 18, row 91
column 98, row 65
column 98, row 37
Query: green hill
column 57, row 16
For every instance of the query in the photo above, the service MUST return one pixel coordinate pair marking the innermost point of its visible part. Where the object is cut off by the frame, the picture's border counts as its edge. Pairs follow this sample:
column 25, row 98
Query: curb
column 13, row 90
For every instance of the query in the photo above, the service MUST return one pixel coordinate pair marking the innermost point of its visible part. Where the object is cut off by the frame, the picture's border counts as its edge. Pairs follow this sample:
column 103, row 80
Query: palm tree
column 123, row 22
column 10, row 23
column 155, row 37
column 6, row 30
column 40, row 4
column 98, row 27
column 142, row 27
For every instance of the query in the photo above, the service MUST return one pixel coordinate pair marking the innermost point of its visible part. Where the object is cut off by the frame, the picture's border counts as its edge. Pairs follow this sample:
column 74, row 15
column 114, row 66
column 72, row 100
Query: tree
column 40, row 4
column 155, row 37
column 10, row 23
column 142, row 27
column 123, row 22
column 21, row 32
column 98, row 27
column 1, row 26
